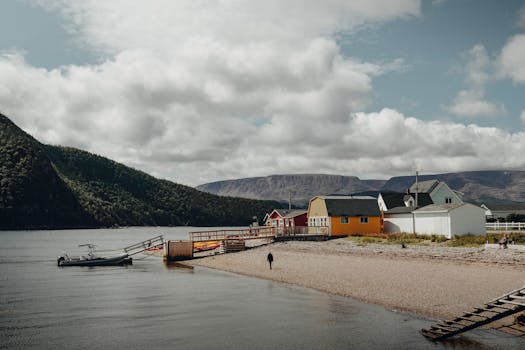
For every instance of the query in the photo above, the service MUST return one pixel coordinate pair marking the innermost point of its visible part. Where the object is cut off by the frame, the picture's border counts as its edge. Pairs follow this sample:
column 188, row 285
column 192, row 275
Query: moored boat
column 90, row 259
column 65, row 260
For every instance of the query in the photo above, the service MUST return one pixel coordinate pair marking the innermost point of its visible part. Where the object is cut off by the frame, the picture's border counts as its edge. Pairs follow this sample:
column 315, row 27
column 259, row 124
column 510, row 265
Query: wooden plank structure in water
column 506, row 305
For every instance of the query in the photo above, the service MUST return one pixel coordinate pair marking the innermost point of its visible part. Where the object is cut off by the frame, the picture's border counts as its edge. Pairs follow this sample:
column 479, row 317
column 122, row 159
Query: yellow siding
column 317, row 207
column 354, row 226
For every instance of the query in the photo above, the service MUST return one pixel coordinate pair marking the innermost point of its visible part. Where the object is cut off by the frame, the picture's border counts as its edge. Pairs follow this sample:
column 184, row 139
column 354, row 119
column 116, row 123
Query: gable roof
column 352, row 206
column 424, row 186
column 441, row 208
column 397, row 199
column 287, row 213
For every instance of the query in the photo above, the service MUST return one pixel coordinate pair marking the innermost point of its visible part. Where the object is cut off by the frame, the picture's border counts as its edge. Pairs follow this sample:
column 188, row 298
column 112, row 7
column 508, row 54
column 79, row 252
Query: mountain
column 43, row 186
column 302, row 187
column 489, row 187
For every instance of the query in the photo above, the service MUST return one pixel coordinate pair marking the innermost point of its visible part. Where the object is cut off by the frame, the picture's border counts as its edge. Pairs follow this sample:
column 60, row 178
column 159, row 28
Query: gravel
column 432, row 281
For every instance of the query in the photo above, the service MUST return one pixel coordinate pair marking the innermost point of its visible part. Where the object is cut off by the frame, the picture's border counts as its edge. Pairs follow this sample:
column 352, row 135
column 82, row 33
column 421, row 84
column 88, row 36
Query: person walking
column 270, row 259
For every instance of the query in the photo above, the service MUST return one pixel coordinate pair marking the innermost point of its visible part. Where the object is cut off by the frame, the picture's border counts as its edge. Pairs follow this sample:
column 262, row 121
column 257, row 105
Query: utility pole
column 289, row 200
column 417, row 188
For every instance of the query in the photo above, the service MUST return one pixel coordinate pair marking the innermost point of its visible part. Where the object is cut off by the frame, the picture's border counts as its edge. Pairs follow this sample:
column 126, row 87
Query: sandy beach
column 431, row 281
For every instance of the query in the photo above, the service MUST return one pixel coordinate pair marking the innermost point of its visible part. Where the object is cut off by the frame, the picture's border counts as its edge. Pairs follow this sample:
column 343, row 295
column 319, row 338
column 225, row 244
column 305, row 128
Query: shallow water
column 149, row 305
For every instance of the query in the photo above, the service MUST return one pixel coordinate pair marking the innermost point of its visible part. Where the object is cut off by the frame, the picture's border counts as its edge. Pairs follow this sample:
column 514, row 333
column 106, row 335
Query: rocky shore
column 432, row 281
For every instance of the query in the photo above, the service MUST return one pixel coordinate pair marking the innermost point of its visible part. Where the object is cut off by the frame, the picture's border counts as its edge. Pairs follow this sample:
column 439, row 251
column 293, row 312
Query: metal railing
column 221, row 235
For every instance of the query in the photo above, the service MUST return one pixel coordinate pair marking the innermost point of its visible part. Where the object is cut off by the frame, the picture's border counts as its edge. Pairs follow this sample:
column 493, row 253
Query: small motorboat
column 90, row 259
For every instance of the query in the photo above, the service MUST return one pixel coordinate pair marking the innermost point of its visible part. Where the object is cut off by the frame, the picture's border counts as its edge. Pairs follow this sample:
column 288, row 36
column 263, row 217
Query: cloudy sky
column 198, row 91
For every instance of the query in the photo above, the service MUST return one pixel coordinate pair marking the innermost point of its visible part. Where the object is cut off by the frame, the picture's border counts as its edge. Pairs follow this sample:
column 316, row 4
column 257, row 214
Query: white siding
column 468, row 219
column 433, row 223
column 393, row 223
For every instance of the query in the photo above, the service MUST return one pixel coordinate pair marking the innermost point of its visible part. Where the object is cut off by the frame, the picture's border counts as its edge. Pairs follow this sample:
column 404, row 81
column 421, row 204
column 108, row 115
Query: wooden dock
column 262, row 232
column 506, row 305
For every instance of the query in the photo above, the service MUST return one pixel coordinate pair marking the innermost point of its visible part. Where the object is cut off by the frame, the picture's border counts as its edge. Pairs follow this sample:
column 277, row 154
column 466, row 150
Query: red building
column 286, row 220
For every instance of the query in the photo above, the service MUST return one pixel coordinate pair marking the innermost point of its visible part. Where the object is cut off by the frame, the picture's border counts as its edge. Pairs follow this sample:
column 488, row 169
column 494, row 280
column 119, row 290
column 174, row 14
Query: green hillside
column 32, row 195
column 46, row 186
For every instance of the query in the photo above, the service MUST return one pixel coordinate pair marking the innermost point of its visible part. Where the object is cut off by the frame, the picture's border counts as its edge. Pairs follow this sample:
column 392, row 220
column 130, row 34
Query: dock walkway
column 506, row 305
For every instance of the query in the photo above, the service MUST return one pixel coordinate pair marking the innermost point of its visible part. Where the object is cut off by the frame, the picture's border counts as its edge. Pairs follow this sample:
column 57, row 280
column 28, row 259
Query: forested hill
column 44, row 186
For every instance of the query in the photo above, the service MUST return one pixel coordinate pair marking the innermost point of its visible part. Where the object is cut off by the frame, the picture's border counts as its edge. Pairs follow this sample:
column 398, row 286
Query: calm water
column 151, row 306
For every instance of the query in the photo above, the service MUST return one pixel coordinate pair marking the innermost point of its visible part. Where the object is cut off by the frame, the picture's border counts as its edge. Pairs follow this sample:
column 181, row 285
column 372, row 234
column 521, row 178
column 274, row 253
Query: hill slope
column 303, row 186
column 46, row 186
column 32, row 195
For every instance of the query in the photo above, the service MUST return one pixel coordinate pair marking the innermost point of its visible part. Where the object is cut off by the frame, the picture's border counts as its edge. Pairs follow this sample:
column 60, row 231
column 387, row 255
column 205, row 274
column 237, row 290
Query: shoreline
column 428, row 281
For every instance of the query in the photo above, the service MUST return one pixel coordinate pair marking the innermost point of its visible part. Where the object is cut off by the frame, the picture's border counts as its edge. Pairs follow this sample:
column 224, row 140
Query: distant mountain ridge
column 490, row 186
column 302, row 186
column 43, row 186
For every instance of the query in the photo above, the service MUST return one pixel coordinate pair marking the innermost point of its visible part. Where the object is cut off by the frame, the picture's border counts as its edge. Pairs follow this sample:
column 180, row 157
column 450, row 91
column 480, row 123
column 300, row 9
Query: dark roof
column 289, row 213
column 397, row 199
column 352, row 207
column 424, row 186
column 400, row 210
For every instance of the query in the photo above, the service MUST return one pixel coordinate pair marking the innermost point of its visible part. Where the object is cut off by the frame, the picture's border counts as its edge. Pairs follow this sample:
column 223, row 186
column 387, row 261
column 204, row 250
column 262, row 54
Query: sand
column 431, row 281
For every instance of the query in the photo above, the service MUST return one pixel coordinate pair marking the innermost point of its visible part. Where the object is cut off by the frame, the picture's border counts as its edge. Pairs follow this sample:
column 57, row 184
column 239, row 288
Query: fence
column 505, row 226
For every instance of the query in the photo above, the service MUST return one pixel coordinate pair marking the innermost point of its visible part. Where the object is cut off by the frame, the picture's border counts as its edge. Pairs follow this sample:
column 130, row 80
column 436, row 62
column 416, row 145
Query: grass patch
column 397, row 238
column 416, row 239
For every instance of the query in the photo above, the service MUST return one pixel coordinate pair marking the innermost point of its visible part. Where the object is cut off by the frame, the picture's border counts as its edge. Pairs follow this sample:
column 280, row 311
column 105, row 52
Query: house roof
column 294, row 213
column 397, row 199
column 400, row 210
column 440, row 208
column 424, row 186
column 287, row 213
column 352, row 206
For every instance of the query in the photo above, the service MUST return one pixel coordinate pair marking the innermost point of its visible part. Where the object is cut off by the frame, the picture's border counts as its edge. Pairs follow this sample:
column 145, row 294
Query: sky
column 199, row 91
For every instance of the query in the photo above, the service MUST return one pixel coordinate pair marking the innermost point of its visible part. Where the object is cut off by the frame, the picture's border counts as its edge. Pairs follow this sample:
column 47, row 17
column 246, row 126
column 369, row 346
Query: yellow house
column 344, row 215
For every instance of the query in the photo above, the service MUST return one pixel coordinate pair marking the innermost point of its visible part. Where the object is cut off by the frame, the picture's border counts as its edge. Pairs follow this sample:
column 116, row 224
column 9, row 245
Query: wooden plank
column 473, row 321
column 489, row 310
column 515, row 302
column 505, row 307
column 513, row 296
column 519, row 290
column 454, row 325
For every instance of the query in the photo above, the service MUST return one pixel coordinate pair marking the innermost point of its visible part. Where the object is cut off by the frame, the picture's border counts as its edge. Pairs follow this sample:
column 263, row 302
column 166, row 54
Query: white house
column 441, row 219
column 439, row 192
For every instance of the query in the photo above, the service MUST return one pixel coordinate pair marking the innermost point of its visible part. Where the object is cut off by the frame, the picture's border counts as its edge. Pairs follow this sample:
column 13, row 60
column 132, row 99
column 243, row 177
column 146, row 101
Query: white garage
column 440, row 219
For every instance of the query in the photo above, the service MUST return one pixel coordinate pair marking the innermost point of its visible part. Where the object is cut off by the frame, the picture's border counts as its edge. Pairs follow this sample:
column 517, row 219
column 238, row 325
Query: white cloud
column 471, row 102
column 512, row 58
column 195, row 90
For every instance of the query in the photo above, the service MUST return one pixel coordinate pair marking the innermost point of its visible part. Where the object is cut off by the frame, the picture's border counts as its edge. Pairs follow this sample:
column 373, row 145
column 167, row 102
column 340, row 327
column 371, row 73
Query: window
column 344, row 219
column 448, row 200
column 364, row 219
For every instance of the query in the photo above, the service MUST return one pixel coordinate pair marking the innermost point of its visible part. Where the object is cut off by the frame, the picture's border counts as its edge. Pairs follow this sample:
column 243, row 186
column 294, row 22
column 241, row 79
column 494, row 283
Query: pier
column 232, row 240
